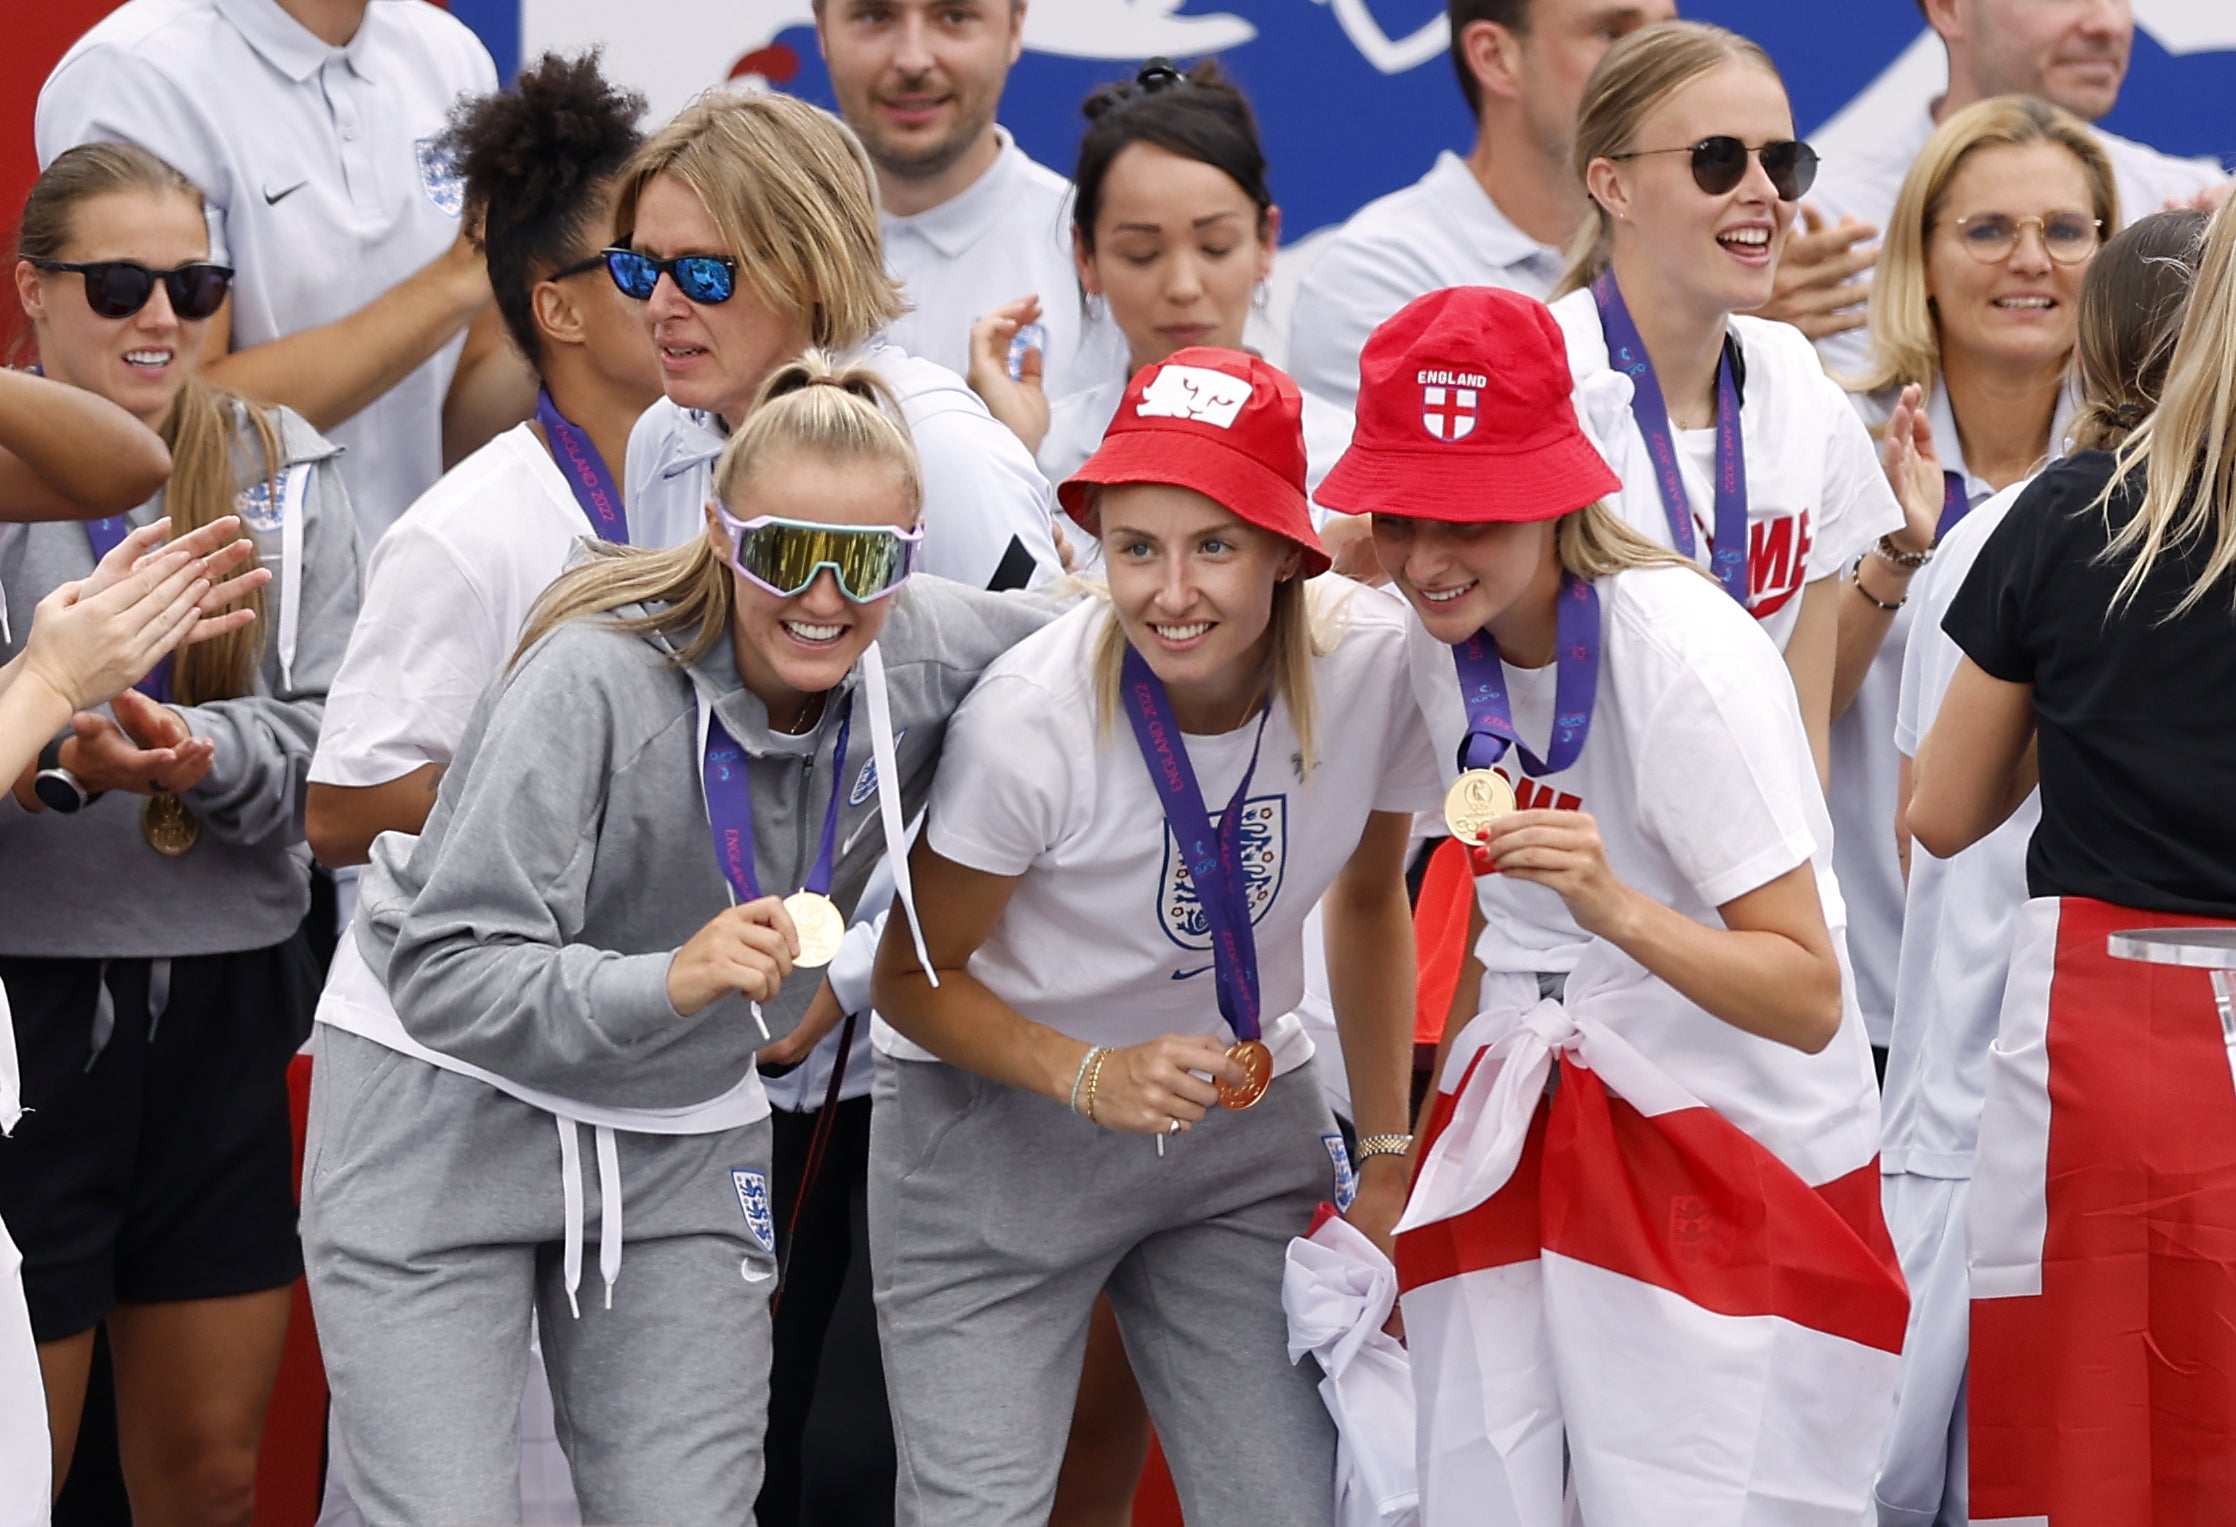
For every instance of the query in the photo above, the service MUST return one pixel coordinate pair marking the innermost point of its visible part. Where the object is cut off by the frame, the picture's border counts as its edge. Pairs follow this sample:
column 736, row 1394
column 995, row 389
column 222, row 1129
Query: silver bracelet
column 1383, row 1145
column 1085, row 1061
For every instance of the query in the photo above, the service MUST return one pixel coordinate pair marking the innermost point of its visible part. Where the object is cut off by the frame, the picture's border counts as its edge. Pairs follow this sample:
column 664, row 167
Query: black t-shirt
column 2135, row 712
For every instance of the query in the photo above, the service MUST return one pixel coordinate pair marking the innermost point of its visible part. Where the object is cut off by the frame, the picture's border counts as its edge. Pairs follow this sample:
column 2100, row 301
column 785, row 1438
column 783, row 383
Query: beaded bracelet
column 1093, row 1051
column 1094, row 1080
column 1855, row 580
column 1383, row 1145
column 1912, row 560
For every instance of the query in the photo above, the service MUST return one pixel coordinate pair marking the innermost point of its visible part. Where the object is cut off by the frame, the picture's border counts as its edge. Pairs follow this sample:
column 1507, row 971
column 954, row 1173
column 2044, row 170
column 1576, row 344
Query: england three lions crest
column 1264, row 852
column 439, row 177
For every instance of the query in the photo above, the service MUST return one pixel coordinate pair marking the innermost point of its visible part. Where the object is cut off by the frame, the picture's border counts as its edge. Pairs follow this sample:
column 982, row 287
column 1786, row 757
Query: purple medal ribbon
column 585, row 471
column 1956, row 503
column 106, row 535
column 1212, row 855
column 1728, row 550
column 1490, row 720
column 730, row 811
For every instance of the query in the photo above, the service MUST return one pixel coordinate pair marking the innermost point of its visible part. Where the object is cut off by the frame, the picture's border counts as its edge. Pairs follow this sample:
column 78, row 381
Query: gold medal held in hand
column 169, row 827
column 816, row 918
column 1256, row 1062
column 1476, row 800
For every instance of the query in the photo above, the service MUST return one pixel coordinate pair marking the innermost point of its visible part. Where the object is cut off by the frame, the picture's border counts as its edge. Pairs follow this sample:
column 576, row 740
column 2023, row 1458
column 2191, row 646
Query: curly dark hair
column 534, row 158
column 1198, row 114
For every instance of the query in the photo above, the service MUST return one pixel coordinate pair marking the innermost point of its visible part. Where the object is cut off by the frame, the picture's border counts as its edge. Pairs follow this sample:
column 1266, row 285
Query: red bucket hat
column 1464, row 415
column 1219, row 421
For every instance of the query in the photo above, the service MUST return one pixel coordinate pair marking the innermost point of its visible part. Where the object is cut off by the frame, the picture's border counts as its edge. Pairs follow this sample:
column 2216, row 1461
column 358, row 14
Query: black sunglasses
column 120, row 288
column 703, row 278
column 1720, row 163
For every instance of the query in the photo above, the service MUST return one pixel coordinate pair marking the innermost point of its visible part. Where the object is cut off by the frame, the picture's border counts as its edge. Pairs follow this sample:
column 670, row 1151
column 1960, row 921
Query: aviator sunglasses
column 1720, row 163
column 701, row 277
column 120, row 288
column 785, row 556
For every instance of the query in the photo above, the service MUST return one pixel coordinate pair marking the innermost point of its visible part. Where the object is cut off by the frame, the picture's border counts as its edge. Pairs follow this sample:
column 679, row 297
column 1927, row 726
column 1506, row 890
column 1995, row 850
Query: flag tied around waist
column 1620, row 1274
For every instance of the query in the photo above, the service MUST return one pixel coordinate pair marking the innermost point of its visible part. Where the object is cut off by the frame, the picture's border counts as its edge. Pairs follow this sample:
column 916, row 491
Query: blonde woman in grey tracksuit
column 636, row 860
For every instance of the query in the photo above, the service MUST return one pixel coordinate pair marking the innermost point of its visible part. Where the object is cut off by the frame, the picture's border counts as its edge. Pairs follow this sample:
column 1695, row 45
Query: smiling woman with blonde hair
column 1973, row 317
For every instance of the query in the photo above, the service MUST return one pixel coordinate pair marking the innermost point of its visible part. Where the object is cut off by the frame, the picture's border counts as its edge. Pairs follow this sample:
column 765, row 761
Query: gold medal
column 169, row 827
column 815, row 917
column 1256, row 1062
column 1476, row 800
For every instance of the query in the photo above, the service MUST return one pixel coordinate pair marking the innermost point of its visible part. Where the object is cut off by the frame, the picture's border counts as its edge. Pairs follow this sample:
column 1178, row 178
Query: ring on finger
column 1172, row 1126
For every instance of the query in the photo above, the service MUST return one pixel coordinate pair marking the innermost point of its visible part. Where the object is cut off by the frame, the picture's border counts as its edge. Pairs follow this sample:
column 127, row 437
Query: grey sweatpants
column 432, row 1226
column 996, row 1217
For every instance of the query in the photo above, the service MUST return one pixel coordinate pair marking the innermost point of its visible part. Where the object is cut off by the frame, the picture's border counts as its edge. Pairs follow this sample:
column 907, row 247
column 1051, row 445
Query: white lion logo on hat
column 1194, row 392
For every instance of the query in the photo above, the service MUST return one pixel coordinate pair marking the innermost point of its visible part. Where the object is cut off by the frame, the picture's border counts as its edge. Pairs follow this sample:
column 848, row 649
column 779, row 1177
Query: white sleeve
column 1720, row 759
column 1929, row 662
column 986, row 506
column 1857, row 506
column 425, row 647
column 1005, row 780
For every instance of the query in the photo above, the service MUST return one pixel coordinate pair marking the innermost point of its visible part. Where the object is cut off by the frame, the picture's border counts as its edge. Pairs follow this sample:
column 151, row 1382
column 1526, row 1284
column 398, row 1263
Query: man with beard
column 971, row 223
column 1500, row 216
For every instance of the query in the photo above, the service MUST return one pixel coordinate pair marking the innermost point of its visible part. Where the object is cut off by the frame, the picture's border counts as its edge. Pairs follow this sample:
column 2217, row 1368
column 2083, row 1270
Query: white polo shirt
column 323, row 188
column 1864, row 185
column 1963, row 912
column 1443, row 230
column 1865, row 772
column 986, row 506
column 1006, row 235
column 1816, row 496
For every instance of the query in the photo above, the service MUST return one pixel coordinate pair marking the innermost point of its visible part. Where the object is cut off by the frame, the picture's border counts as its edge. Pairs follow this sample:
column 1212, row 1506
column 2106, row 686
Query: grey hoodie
column 87, row 885
column 528, row 929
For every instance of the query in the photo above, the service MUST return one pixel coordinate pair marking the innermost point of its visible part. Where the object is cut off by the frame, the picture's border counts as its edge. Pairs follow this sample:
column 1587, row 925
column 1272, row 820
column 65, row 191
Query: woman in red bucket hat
column 1673, row 1272
column 1100, row 1083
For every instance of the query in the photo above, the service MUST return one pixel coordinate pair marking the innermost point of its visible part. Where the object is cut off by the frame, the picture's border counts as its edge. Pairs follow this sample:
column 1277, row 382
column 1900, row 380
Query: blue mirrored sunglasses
column 700, row 277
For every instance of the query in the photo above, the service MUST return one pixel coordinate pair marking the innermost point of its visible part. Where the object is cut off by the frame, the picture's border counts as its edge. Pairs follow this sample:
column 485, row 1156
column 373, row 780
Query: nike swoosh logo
column 1187, row 975
column 273, row 198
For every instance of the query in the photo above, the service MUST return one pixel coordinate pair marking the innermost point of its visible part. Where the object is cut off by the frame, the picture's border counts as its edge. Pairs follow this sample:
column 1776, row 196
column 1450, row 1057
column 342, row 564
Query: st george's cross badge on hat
column 1448, row 403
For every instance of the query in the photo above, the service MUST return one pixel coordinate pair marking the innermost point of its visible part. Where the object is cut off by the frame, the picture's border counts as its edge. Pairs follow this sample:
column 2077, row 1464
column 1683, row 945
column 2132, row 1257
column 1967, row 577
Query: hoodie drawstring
column 609, row 1207
column 889, row 799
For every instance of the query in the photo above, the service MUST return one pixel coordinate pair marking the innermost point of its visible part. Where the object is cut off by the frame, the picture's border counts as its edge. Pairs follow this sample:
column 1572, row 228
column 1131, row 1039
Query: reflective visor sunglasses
column 785, row 556
column 120, row 288
column 1720, row 163
column 700, row 277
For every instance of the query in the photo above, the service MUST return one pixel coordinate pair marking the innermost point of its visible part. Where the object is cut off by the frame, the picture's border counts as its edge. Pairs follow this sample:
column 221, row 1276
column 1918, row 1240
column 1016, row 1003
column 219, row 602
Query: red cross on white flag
column 1448, row 412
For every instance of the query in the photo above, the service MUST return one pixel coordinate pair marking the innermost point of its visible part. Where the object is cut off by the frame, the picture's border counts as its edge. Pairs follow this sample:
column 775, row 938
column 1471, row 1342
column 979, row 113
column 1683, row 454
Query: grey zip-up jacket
column 528, row 929
column 86, row 884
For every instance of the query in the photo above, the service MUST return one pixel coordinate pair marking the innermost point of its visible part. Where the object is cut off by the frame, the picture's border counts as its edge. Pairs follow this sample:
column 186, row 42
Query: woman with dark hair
column 1960, row 914
column 2099, row 637
column 159, row 974
column 1174, row 226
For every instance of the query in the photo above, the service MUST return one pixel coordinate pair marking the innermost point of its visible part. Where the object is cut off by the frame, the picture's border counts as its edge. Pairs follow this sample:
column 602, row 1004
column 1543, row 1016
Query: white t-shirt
column 986, row 506
column 446, row 594
column 1005, row 235
column 1962, row 913
column 1865, row 775
column 323, row 186
column 1077, row 424
column 1698, row 773
column 1863, row 185
column 1443, row 230
column 1103, row 937
column 1816, row 496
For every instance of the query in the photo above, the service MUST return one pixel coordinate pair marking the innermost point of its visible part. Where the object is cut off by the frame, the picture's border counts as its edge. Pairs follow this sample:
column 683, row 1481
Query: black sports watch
column 56, row 787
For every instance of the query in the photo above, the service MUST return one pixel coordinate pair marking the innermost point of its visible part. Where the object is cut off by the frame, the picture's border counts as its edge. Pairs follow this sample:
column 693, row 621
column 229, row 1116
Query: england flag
column 1618, row 1276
